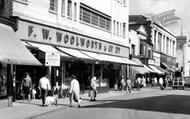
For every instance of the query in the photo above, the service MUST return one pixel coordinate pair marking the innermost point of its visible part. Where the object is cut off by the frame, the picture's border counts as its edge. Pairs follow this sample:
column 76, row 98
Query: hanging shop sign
column 52, row 59
column 59, row 37
column 151, row 62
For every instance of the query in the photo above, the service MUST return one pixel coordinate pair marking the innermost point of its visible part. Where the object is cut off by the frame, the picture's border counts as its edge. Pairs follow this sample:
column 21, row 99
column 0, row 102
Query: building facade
column 80, row 37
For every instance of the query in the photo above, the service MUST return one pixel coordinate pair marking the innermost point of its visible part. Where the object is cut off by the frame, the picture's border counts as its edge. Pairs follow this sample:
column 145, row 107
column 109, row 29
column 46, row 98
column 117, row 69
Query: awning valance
column 12, row 50
column 155, row 69
column 47, row 48
column 141, row 70
column 161, row 69
column 166, row 67
column 94, row 55
column 149, row 69
column 74, row 53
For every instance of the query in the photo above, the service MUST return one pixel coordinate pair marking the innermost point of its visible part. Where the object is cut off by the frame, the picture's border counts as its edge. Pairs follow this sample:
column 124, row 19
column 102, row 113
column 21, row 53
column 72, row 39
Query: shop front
column 80, row 54
column 13, row 53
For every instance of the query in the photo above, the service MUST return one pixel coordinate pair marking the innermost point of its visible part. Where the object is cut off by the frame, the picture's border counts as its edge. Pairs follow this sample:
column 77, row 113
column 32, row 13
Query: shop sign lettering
column 73, row 40
column 58, row 37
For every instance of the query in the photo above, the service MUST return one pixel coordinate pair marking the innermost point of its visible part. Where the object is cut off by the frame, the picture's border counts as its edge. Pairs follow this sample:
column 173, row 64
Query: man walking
column 44, row 86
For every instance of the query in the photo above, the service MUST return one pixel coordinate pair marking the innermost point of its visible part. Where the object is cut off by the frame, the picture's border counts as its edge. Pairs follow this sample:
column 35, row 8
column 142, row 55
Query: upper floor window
column 132, row 49
column 142, row 49
column 53, row 5
column 63, row 8
column 124, row 30
column 69, row 9
column 2, row 4
column 124, row 2
column 94, row 19
column 75, row 10
column 117, row 28
column 155, row 37
column 114, row 27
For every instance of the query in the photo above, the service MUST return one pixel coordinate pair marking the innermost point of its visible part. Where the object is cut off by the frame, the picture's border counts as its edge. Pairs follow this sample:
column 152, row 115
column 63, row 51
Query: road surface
column 161, row 104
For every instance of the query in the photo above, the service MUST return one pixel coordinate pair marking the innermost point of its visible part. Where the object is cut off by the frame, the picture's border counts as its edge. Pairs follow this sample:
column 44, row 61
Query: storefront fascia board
column 36, row 32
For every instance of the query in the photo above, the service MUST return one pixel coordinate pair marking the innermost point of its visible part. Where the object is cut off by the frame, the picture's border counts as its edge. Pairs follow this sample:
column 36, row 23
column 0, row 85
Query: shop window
column 3, row 80
column 53, row 5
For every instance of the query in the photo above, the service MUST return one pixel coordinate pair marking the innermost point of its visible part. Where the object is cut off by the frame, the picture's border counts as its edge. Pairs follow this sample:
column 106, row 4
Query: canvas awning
column 94, row 55
column 47, row 48
column 141, row 70
column 155, row 69
column 12, row 50
column 167, row 67
column 74, row 53
column 161, row 69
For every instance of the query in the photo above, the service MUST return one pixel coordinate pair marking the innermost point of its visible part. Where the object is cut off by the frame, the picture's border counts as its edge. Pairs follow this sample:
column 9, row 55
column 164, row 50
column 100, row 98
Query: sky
column 182, row 7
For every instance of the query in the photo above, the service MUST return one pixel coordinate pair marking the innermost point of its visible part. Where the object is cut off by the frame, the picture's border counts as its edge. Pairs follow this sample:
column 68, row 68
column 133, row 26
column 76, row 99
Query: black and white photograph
column 94, row 59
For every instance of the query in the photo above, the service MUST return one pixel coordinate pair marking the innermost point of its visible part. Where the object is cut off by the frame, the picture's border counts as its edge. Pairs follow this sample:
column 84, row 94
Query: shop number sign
column 52, row 59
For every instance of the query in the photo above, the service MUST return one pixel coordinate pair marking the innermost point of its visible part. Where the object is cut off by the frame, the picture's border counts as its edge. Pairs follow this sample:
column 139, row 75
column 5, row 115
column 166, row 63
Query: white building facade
column 89, row 34
column 164, row 46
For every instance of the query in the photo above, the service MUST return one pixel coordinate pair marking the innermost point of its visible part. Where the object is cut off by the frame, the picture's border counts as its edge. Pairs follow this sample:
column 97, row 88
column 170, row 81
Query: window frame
column 55, row 6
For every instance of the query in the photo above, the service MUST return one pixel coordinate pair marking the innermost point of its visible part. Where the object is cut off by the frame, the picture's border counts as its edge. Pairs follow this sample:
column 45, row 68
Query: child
column 33, row 92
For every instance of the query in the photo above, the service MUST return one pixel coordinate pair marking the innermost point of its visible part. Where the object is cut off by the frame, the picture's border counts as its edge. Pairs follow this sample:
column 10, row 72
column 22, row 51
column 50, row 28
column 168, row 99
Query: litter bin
column 10, row 101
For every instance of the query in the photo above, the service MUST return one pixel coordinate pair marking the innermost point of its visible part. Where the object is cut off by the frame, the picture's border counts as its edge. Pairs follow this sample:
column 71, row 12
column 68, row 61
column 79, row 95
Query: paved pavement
column 22, row 110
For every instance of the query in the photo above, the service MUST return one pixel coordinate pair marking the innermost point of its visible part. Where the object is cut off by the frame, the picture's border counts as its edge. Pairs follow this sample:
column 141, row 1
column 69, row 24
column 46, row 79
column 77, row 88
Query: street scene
column 124, row 59
column 147, row 103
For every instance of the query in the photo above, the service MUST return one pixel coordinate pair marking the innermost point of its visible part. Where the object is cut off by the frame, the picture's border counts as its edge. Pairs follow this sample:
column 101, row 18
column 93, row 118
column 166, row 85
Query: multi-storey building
column 81, row 37
column 164, row 46
column 159, row 48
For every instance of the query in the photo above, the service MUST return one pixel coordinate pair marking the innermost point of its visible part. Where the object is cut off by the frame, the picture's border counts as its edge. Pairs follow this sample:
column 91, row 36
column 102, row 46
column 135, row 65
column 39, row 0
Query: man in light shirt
column 44, row 86
column 74, row 91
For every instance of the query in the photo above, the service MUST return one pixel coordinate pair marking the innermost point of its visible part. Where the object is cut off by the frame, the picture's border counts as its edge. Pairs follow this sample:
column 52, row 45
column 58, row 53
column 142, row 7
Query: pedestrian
column 122, row 82
column 26, row 86
column 138, row 83
column 93, row 89
column 74, row 91
column 128, row 85
column 34, row 92
column 44, row 86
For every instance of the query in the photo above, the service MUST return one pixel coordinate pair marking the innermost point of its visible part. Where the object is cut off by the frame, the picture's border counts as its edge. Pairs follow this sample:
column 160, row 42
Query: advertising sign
column 52, row 59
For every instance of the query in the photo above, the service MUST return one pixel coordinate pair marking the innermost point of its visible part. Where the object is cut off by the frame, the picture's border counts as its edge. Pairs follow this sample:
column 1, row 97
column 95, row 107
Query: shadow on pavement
column 179, row 104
